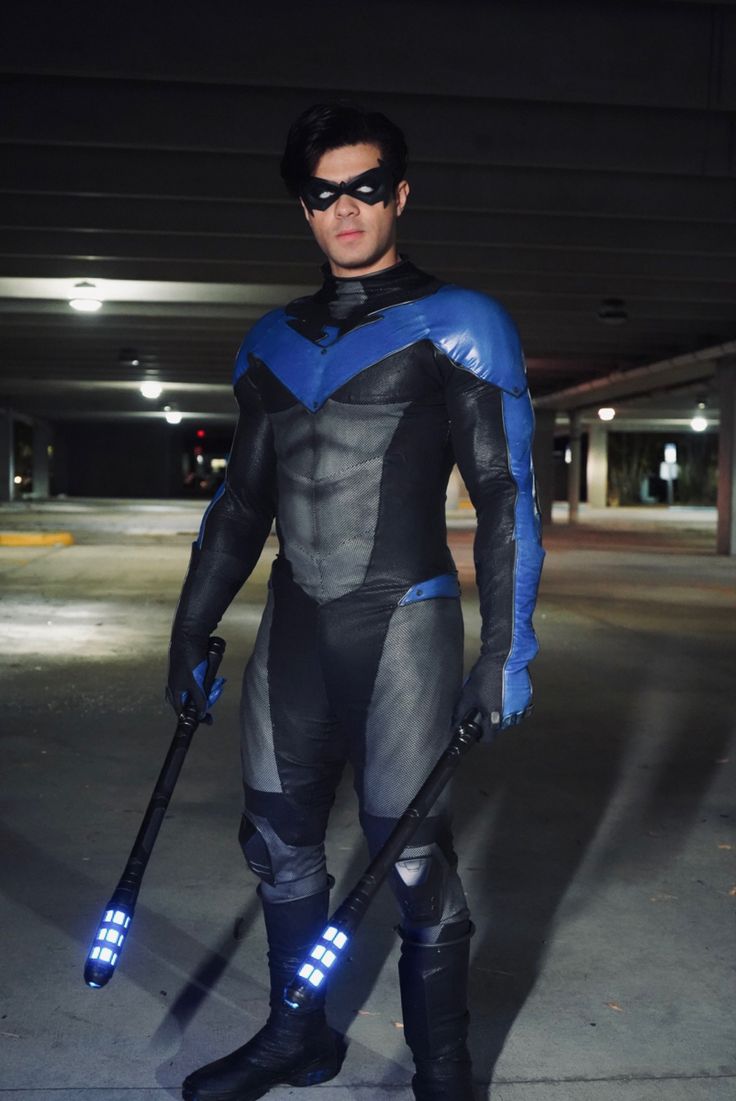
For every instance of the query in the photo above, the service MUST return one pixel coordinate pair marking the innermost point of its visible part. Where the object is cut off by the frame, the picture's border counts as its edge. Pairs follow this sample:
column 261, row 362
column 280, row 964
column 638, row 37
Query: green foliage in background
column 634, row 457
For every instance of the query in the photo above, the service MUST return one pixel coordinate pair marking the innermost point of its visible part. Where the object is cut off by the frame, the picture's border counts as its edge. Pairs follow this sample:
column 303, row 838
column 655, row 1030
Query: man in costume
column 354, row 404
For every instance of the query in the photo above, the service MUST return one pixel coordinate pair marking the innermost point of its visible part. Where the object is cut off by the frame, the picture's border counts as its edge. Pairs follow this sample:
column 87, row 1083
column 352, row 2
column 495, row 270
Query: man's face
column 357, row 237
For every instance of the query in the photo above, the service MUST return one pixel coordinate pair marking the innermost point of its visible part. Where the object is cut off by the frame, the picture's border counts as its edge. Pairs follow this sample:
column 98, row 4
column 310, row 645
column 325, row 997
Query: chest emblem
column 325, row 335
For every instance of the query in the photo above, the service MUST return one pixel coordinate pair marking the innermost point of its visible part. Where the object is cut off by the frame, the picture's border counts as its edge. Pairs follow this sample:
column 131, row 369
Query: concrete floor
column 596, row 843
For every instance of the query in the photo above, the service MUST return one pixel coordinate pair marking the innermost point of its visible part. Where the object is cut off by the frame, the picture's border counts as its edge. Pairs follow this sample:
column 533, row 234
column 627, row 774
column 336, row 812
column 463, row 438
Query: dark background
column 562, row 154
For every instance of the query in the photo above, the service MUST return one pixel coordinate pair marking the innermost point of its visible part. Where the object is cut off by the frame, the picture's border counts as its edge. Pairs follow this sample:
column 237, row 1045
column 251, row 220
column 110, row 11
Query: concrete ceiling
column 563, row 153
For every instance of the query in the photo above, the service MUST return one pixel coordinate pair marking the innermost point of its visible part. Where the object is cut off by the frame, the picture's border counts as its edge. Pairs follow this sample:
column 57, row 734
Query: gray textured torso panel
column 329, row 472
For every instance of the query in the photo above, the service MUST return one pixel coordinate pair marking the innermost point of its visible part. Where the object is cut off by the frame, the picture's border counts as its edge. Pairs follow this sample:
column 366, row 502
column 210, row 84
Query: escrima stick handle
column 305, row 990
column 118, row 914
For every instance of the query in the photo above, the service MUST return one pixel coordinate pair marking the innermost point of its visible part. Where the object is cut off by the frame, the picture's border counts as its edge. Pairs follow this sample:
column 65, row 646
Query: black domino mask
column 371, row 187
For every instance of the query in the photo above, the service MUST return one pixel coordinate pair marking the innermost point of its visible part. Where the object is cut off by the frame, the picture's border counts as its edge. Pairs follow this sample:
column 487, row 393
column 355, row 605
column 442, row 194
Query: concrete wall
column 118, row 459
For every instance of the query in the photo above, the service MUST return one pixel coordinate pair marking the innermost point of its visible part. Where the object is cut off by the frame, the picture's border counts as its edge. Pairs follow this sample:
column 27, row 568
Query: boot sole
column 310, row 1076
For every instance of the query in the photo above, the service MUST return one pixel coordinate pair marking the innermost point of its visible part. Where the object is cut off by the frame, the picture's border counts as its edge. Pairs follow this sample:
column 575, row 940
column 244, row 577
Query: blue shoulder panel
column 474, row 331
column 253, row 338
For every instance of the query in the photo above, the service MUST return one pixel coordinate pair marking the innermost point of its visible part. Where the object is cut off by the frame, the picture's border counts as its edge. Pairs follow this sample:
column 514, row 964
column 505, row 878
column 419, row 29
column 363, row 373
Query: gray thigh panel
column 257, row 752
column 409, row 719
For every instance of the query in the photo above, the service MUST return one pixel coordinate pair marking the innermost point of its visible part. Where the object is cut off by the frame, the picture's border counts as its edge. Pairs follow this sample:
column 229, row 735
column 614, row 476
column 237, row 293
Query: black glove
column 503, row 697
column 187, row 670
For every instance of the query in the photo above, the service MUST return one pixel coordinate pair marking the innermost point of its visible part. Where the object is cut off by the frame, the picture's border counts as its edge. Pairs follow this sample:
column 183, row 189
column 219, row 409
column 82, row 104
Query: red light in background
column 201, row 433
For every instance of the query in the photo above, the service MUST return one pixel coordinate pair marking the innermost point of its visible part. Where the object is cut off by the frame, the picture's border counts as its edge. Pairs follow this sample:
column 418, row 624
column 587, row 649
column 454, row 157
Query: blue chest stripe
column 474, row 331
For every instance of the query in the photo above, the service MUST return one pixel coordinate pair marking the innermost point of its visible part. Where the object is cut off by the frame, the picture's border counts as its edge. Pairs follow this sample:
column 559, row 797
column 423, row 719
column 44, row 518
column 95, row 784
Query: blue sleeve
column 492, row 426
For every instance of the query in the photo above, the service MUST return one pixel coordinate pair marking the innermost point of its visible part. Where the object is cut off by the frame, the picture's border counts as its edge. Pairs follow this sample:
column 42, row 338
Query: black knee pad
column 255, row 851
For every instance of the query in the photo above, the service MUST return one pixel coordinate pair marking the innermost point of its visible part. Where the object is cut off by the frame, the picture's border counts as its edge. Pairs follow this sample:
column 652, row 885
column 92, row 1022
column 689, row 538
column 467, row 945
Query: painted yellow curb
column 36, row 538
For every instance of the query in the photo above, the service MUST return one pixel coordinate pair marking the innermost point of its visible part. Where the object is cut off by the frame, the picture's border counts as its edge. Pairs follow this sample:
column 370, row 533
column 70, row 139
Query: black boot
column 294, row 1048
column 434, row 996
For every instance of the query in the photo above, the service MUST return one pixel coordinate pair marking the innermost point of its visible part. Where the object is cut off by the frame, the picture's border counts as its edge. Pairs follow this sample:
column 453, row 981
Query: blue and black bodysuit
column 354, row 405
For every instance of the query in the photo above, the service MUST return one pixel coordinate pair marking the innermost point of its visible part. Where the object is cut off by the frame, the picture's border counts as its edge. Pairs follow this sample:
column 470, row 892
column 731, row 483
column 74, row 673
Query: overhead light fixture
column 151, row 389
column 606, row 413
column 128, row 357
column 699, row 423
column 86, row 305
column 612, row 311
column 85, row 302
column 172, row 414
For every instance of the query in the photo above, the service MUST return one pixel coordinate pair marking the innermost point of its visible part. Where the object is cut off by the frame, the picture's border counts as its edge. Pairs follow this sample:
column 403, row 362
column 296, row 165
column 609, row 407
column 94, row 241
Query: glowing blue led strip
column 332, row 938
column 110, row 937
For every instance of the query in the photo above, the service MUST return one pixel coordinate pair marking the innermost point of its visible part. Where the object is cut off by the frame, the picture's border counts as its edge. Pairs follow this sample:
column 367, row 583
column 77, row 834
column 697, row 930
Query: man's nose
column 346, row 205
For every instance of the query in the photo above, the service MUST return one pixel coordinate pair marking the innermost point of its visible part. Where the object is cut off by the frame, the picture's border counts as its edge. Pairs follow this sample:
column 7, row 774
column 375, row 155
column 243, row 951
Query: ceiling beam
column 618, row 386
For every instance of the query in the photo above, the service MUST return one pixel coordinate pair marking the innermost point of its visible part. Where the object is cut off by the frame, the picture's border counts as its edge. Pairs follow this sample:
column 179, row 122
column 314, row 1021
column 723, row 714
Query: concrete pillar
column 726, row 532
column 41, row 443
column 543, row 455
column 596, row 468
column 7, row 455
column 574, row 468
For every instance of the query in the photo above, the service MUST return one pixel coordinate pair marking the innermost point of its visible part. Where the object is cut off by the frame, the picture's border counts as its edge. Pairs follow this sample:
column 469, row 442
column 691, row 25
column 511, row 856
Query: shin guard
column 434, row 985
column 292, row 928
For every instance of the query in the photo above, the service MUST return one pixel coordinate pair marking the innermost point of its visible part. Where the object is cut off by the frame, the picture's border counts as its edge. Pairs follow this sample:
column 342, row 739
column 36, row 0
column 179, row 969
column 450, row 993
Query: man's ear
column 402, row 194
column 305, row 208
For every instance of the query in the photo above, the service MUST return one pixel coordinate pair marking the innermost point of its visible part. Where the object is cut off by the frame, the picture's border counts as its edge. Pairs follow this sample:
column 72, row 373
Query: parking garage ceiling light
column 87, row 301
column 151, row 389
column 606, row 413
column 172, row 414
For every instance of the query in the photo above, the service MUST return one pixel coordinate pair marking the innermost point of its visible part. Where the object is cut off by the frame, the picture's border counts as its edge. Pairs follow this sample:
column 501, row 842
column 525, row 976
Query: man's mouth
column 349, row 233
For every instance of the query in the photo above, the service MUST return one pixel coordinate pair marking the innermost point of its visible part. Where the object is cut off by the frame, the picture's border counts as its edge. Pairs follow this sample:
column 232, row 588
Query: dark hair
column 330, row 126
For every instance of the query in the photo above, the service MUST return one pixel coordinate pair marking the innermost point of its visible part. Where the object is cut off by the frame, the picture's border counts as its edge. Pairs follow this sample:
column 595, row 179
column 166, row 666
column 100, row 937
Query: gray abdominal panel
column 336, row 440
column 330, row 471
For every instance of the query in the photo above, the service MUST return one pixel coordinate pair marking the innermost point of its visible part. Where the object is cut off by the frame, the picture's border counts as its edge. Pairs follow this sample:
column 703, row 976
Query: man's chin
column 350, row 260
